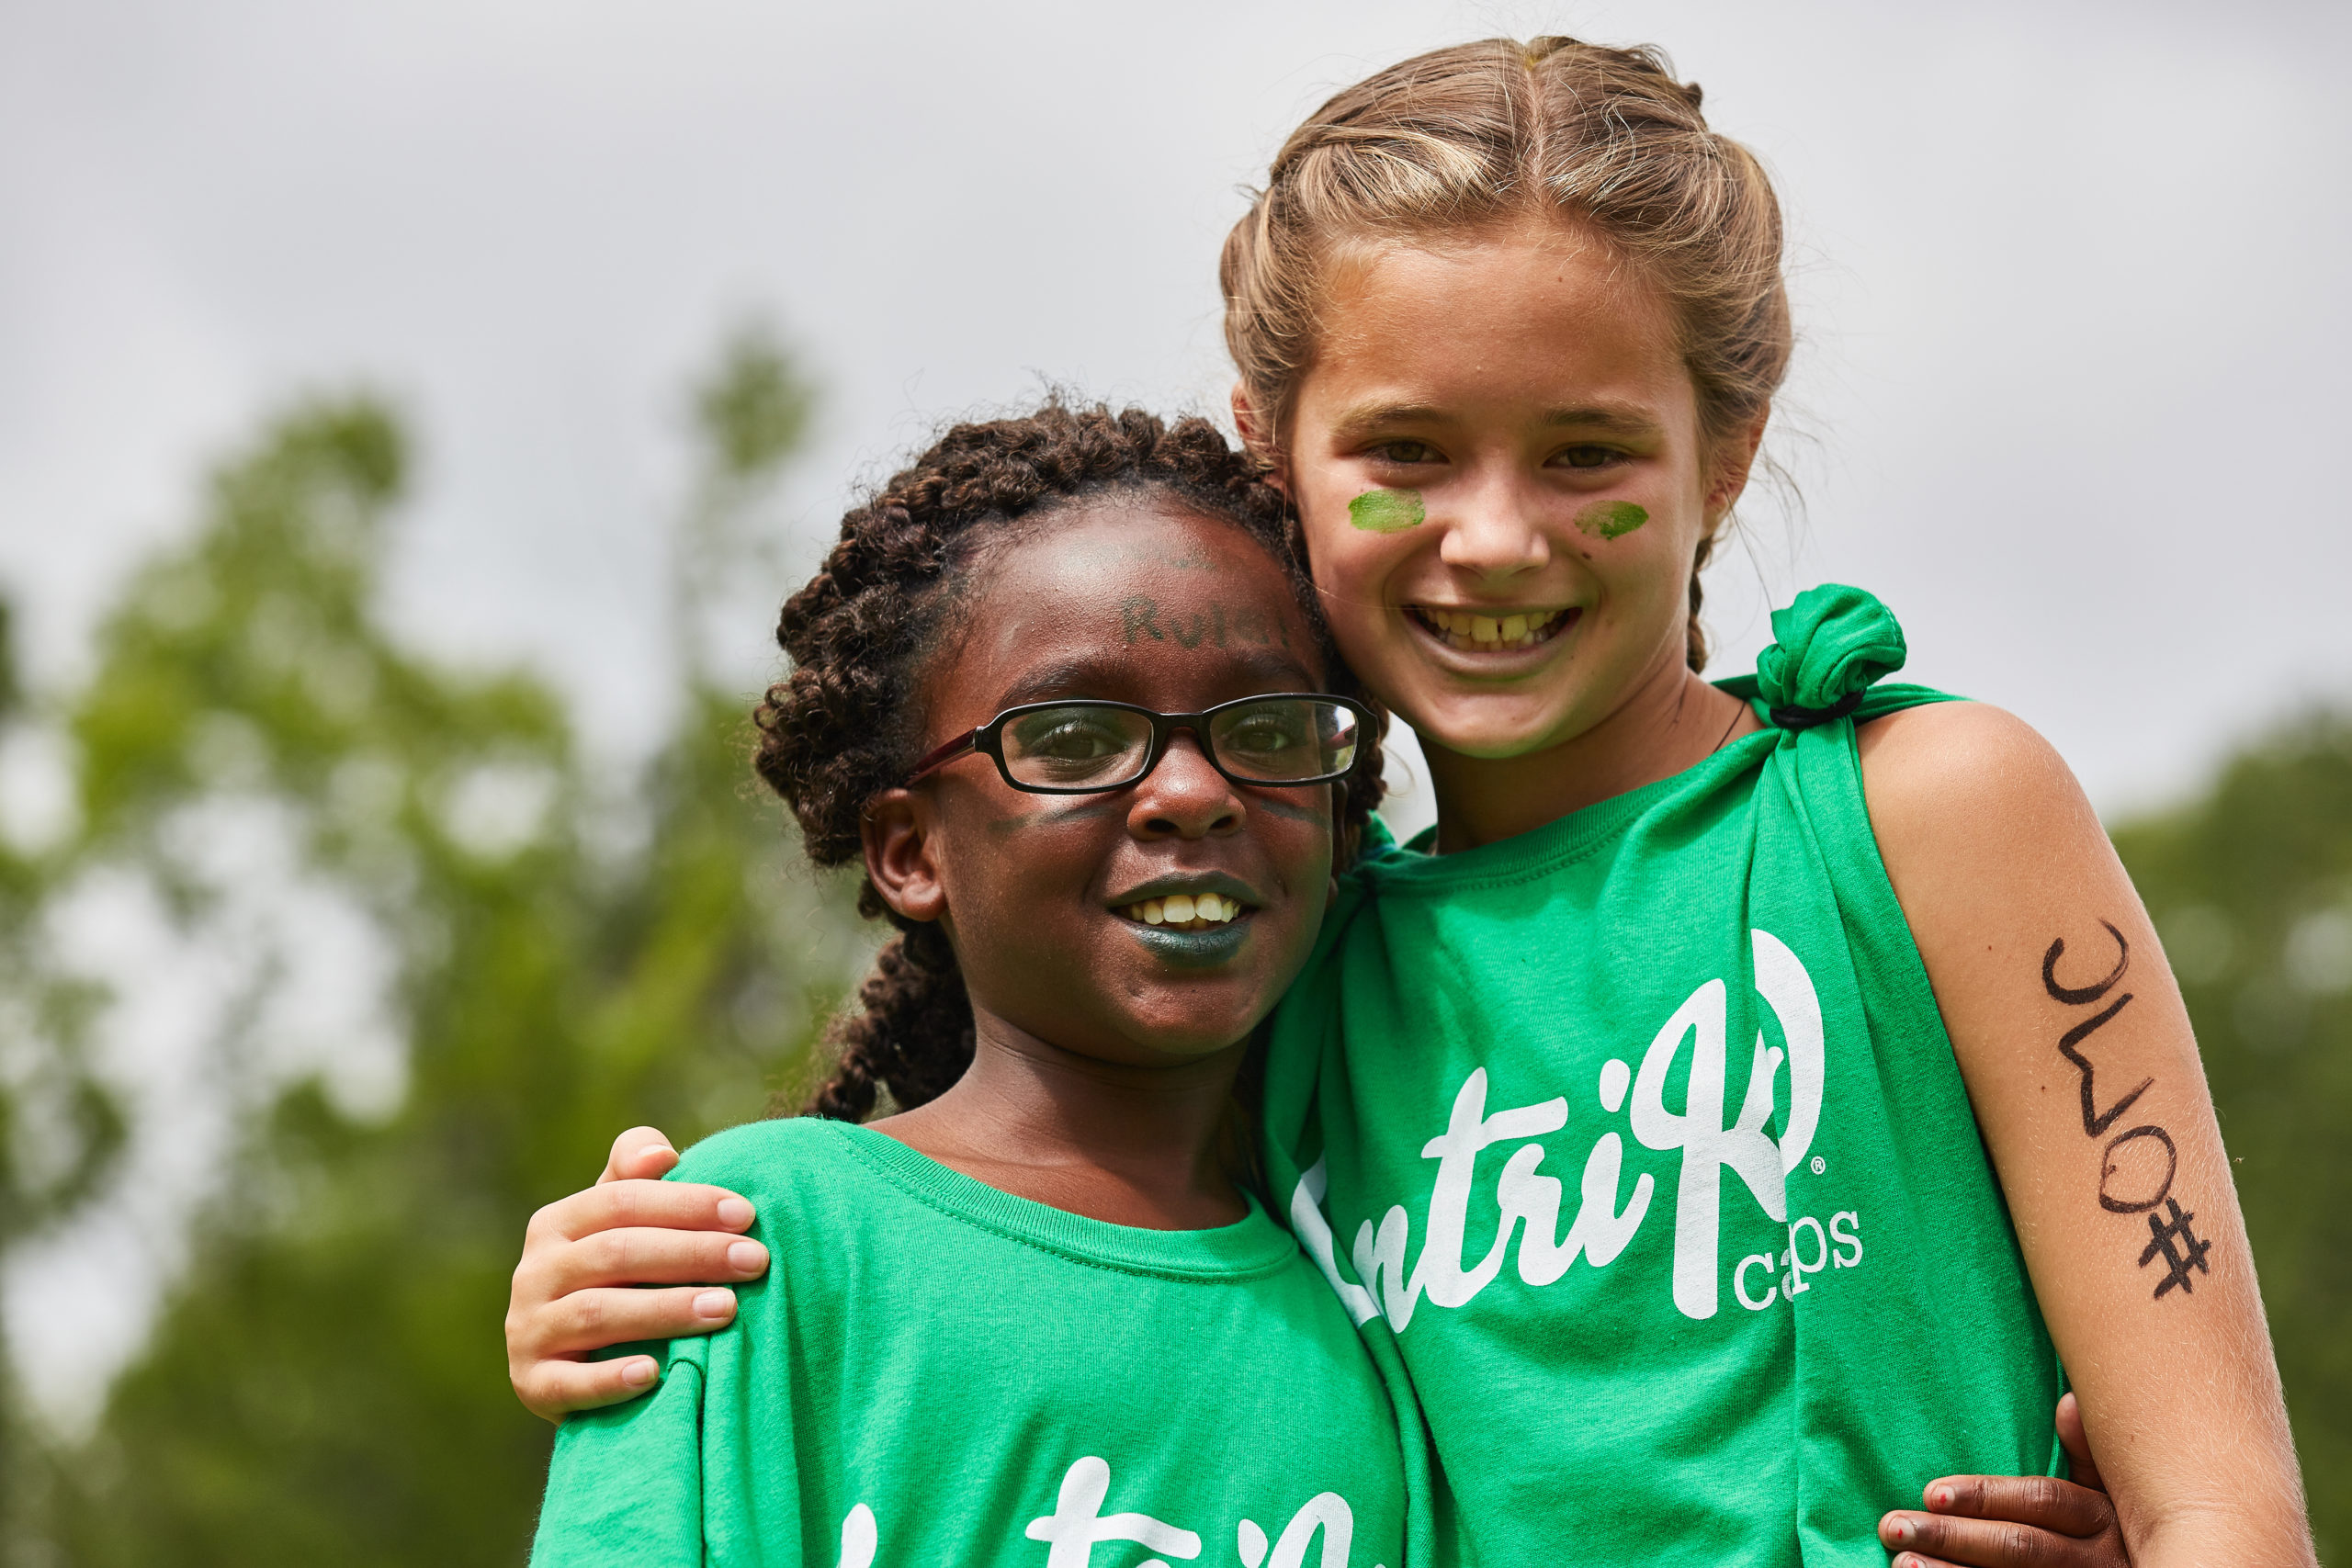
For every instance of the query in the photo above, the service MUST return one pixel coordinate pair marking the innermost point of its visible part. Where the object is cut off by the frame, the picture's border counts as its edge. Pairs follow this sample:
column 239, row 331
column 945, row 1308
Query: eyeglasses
column 1086, row 747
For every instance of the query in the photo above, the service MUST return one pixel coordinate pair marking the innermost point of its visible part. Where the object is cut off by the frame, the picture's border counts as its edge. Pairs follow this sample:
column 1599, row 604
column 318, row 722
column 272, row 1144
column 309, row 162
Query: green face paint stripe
column 1387, row 511
column 1609, row 519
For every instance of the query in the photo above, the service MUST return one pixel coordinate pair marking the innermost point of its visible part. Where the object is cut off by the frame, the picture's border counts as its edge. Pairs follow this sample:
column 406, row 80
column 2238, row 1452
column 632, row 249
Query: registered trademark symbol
column 1819, row 1164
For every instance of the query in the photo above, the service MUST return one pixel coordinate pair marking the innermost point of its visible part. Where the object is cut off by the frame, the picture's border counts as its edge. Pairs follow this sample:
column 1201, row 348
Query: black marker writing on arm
column 2140, row 1191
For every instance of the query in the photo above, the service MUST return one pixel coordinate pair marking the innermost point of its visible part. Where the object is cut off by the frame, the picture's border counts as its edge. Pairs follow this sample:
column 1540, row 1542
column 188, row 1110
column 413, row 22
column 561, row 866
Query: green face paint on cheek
column 1387, row 511
column 1611, row 519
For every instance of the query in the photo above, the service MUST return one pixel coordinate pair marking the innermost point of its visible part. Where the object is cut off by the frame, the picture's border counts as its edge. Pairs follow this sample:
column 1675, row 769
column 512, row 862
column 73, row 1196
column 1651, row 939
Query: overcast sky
column 2070, row 283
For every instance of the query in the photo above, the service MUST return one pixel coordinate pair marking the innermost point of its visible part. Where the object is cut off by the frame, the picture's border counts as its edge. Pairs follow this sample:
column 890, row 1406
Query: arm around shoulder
column 2084, row 1075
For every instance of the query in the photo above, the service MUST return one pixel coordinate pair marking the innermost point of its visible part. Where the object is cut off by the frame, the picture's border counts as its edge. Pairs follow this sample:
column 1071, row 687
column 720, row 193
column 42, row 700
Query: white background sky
column 2070, row 280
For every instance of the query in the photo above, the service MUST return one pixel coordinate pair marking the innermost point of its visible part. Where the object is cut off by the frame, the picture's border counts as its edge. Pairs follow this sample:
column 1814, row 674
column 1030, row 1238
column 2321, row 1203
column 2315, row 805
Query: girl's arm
column 2085, row 1078
column 575, row 1290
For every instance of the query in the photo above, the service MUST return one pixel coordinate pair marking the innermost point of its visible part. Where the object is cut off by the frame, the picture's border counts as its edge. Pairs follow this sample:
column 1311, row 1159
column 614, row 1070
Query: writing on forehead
column 1141, row 618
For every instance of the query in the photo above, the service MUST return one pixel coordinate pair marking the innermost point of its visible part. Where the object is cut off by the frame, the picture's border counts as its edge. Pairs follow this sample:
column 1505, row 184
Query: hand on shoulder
column 575, row 1291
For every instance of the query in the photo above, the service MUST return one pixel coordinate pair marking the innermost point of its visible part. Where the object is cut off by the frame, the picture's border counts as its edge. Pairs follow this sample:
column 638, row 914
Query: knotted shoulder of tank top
column 1828, row 648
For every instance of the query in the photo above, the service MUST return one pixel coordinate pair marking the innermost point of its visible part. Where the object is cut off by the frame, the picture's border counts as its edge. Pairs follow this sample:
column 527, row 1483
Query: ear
column 901, row 854
column 1258, row 435
column 1734, row 461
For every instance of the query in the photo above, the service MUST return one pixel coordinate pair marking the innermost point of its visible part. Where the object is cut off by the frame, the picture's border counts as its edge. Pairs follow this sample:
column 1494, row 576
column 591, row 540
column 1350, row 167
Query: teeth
column 1196, row 910
column 1472, row 632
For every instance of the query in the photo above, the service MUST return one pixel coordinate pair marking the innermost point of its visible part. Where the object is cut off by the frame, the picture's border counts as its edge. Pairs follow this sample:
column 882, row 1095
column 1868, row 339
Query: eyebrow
column 1611, row 419
column 1086, row 677
column 1614, row 418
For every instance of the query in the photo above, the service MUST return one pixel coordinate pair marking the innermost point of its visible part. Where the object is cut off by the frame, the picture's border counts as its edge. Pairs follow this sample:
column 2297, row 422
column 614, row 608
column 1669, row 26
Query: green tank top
column 1642, row 1135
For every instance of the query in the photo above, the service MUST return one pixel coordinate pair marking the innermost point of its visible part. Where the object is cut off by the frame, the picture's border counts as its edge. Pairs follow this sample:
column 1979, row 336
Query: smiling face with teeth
column 1154, row 924
column 1529, row 389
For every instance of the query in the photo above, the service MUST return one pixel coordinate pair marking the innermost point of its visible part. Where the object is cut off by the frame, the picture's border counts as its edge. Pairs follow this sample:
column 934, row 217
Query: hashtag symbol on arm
column 2179, row 1260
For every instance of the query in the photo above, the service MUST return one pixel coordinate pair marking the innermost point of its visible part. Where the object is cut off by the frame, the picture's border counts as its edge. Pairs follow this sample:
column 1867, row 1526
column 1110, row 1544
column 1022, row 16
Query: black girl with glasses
column 1035, row 1311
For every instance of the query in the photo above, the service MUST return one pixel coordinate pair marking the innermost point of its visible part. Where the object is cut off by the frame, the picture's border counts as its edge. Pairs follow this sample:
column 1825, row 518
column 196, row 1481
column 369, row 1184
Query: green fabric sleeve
column 625, row 1486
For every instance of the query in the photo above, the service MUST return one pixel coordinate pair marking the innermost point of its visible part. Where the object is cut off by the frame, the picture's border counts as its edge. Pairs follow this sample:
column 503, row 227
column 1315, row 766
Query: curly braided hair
column 845, row 724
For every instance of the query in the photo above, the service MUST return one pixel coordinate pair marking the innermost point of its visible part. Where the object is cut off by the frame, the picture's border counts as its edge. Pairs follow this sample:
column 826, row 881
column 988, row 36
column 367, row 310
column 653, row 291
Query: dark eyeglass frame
column 989, row 739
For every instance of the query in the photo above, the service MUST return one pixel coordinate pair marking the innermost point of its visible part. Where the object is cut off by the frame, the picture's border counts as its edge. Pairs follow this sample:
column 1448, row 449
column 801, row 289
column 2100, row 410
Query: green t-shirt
column 934, row 1371
column 1641, row 1137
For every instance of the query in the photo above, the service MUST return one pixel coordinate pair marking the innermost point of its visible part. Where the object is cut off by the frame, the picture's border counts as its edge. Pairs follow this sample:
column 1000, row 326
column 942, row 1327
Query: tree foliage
column 566, row 958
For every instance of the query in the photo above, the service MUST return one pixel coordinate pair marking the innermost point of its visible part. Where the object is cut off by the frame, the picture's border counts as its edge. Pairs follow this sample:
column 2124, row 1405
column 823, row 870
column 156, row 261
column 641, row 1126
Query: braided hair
column 845, row 724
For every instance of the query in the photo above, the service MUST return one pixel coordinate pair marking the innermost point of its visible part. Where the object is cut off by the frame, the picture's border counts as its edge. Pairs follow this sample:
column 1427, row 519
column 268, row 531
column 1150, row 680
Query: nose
column 1184, row 797
column 1491, row 534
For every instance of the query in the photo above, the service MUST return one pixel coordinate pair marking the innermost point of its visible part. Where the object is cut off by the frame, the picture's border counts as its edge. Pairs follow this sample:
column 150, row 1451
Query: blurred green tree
column 61, row 1129
column 2251, row 890
column 567, row 957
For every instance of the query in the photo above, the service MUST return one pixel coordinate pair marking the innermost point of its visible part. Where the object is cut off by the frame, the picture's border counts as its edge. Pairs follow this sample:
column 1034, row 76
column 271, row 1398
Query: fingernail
column 746, row 1257
column 1940, row 1496
column 1903, row 1530
column 637, row 1374
column 715, row 1304
column 651, row 1148
column 734, row 1213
